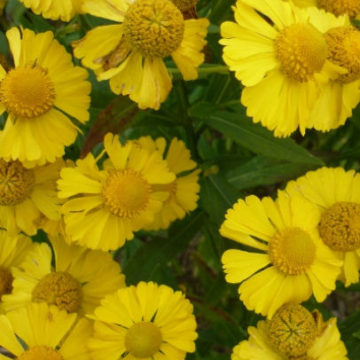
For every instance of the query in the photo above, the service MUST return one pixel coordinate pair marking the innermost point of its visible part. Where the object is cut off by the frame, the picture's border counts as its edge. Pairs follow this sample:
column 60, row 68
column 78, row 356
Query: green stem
column 204, row 71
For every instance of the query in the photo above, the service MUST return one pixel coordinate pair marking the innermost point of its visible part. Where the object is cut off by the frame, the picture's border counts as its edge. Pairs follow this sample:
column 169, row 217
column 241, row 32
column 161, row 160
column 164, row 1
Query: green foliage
column 237, row 157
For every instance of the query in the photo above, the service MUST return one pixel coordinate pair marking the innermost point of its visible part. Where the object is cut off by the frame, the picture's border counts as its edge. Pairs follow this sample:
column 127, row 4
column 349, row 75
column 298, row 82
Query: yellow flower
column 27, row 195
column 279, row 53
column 13, row 250
column 131, row 52
column 41, row 332
column 183, row 191
column 290, row 263
column 148, row 321
column 39, row 95
column 105, row 207
column 76, row 282
column 342, row 94
column 336, row 194
column 293, row 333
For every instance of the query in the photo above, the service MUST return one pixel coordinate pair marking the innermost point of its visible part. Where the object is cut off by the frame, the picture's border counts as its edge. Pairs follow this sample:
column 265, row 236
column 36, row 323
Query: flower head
column 105, row 207
column 39, row 331
column 27, row 195
column 280, row 54
column 143, row 322
column 293, row 333
column 73, row 283
column 341, row 94
column 183, row 191
column 40, row 95
column 131, row 52
column 335, row 192
column 13, row 250
column 290, row 262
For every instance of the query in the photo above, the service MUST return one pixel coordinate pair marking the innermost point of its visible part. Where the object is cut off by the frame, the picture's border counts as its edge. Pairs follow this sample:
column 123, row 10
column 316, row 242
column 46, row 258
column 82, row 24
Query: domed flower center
column 126, row 193
column 40, row 352
column 6, row 280
column 292, row 331
column 143, row 340
column 340, row 7
column 344, row 50
column 16, row 183
column 301, row 50
column 292, row 251
column 154, row 27
column 27, row 92
column 184, row 5
column 339, row 226
column 60, row 289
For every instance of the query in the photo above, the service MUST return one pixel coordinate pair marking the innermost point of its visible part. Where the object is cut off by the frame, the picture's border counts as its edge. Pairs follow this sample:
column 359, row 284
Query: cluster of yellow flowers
column 299, row 65
column 301, row 243
column 67, row 299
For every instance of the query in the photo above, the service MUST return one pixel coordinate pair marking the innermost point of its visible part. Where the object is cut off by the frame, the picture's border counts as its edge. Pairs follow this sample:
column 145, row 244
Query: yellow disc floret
column 126, row 193
column 292, row 251
column 40, row 352
column 154, row 28
column 60, row 289
column 27, row 91
column 143, row 340
column 341, row 7
column 184, row 5
column 344, row 50
column 16, row 183
column 6, row 280
column 339, row 226
column 292, row 331
column 301, row 50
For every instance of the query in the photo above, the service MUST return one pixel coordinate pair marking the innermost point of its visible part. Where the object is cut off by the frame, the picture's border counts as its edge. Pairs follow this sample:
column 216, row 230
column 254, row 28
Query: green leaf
column 159, row 251
column 254, row 137
column 217, row 196
column 259, row 171
column 350, row 334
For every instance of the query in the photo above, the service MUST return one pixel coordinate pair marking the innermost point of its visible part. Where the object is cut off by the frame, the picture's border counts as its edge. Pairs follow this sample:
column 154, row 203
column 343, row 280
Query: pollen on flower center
column 6, row 280
column 155, row 28
column 60, row 289
column 339, row 226
column 27, row 91
column 143, row 340
column 340, row 7
column 40, row 352
column 344, row 50
column 301, row 50
column 16, row 183
column 292, row 331
column 292, row 251
column 126, row 193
